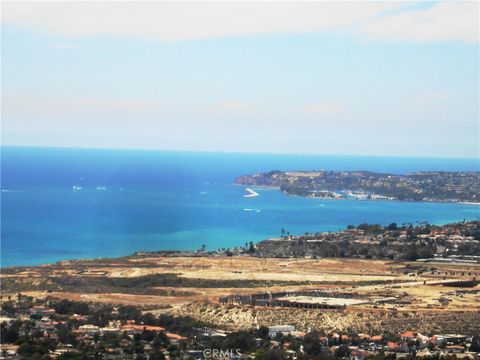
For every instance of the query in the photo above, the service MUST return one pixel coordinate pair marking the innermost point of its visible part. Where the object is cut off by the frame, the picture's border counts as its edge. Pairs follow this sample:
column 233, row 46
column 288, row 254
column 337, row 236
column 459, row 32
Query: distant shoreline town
column 461, row 187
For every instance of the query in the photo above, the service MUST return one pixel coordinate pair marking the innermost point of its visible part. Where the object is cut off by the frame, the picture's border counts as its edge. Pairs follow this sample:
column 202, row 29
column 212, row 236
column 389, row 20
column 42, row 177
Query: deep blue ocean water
column 157, row 200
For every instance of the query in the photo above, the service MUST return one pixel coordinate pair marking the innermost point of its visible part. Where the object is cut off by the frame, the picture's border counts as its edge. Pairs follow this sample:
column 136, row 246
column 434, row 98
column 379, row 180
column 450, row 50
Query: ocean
column 134, row 200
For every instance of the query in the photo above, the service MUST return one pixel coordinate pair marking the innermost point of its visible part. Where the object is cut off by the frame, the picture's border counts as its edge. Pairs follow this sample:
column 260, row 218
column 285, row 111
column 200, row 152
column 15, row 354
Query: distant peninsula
column 367, row 185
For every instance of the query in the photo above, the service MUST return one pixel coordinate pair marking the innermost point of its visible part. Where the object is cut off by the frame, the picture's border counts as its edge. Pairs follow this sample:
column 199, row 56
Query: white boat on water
column 250, row 193
column 76, row 188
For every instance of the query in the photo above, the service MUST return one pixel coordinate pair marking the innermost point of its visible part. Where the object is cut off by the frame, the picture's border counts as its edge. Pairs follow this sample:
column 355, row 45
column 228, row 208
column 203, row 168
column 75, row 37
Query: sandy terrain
column 416, row 287
column 260, row 269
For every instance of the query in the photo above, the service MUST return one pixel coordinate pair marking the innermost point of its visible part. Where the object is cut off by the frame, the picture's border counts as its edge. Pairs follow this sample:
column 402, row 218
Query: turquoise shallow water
column 136, row 200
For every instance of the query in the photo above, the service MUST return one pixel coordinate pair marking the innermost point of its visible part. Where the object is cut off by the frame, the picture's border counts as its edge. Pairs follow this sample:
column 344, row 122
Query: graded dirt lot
column 181, row 284
column 258, row 268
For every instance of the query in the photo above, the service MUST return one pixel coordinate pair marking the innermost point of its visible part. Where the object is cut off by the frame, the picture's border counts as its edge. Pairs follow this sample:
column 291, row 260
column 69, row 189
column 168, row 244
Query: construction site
column 339, row 300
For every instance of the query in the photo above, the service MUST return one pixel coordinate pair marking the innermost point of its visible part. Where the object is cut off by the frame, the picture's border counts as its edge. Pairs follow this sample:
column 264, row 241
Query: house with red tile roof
column 454, row 349
column 175, row 338
column 393, row 346
column 135, row 328
column 42, row 311
column 408, row 335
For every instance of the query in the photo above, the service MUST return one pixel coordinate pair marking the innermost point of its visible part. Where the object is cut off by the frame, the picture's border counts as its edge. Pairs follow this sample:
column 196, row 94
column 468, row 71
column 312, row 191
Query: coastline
column 164, row 207
column 218, row 252
column 470, row 203
column 354, row 199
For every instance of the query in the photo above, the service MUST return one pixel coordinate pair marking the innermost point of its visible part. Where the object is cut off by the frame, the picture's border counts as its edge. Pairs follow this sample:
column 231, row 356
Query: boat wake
column 250, row 193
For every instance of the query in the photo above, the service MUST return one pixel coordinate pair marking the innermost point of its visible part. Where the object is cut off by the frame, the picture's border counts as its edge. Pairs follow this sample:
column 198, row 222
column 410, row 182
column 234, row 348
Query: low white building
column 283, row 329
column 90, row 329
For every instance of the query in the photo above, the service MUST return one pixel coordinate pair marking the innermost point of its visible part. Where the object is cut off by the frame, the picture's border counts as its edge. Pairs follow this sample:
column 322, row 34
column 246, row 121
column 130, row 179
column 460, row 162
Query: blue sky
column 329, row 78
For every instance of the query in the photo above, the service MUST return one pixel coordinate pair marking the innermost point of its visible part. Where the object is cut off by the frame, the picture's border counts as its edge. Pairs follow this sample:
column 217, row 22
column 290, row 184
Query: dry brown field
column 416, row 286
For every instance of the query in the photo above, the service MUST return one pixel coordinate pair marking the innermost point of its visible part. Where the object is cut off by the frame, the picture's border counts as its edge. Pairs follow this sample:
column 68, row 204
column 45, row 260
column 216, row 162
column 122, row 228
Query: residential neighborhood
column 62, row 329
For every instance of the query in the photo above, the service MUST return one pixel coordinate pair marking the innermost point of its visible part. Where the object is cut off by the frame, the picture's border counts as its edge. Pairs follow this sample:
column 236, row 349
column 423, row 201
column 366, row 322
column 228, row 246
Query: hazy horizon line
column 234, row 152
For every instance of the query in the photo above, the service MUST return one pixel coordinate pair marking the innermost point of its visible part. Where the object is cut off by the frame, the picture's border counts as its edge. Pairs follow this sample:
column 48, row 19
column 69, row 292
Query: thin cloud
column 176, row 21
column 325, row 109
column 59, row 107
column 230, row 107
column 56, row 107
column 448, row 21
column 58, row 45
column 432, row 97
column 235, row 105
